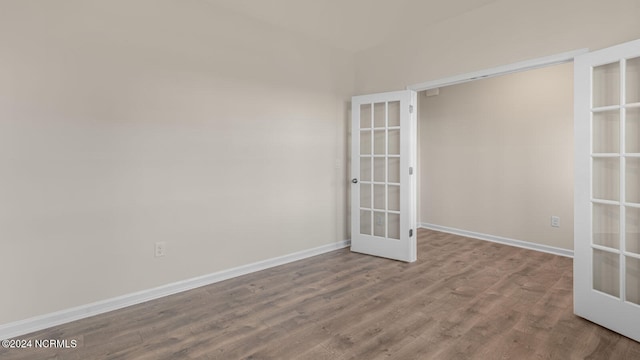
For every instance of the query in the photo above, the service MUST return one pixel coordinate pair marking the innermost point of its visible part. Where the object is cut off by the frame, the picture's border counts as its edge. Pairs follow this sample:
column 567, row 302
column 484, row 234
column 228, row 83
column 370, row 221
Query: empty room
column 297, row 179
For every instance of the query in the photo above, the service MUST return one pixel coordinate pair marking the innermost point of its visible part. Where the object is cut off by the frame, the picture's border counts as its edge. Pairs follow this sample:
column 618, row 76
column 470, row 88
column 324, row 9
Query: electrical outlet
column 161, row 248
column 378, row 219
column 555, row 221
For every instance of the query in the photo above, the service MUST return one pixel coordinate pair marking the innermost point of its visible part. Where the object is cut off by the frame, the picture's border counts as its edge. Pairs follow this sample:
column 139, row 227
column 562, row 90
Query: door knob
column 354, row 180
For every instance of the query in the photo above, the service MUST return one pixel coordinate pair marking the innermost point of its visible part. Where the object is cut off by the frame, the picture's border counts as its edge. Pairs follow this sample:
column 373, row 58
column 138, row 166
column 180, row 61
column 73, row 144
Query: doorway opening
column 495, row 158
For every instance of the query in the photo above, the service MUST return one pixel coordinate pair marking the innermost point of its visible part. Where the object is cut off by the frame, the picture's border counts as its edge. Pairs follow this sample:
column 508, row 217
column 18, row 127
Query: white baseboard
column 501, row 240
column 22, row 327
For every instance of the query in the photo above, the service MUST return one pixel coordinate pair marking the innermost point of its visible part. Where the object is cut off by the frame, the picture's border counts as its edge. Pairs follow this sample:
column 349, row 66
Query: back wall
column 496, row 156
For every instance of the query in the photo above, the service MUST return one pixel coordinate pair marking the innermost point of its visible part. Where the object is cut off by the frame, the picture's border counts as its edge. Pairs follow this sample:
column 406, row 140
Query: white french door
column 607, row 188
column 383, row 163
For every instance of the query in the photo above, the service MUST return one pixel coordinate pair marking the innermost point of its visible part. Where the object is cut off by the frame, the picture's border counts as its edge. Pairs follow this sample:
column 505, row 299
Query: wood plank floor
column 462, row 299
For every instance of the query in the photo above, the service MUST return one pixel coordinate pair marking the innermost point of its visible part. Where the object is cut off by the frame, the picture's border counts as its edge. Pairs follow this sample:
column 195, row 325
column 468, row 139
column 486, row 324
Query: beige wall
column 501, row 32
column 496, row 156
column 123, row 123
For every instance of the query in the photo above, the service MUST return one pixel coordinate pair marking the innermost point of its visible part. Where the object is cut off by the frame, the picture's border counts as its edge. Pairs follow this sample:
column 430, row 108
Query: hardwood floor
column 462, row 299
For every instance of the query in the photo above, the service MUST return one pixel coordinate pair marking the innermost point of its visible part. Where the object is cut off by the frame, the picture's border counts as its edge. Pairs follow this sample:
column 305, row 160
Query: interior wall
column 501, row 32
column 496, row 156
column 125, row 123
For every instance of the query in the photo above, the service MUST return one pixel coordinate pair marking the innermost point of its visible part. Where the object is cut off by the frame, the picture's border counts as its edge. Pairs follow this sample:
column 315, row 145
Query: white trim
column 500, row 70
column 500, row 240
column 36, row 323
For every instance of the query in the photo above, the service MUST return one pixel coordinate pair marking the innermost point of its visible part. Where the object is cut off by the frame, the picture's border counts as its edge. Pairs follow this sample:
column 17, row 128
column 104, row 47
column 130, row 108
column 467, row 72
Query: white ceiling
column 351, row 25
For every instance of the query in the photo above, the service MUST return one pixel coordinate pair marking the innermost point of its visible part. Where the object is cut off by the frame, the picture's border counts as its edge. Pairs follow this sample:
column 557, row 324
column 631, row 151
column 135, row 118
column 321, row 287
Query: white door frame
column 500, row 70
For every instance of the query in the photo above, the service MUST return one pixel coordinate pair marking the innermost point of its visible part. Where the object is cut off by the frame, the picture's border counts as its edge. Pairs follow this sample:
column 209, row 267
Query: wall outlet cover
column 160, row 248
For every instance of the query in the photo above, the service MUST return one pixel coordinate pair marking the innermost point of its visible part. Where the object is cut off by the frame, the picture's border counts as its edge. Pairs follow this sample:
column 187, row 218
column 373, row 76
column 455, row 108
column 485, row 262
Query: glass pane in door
column 606, row 132
column 606, row 272
column 394, row 113
column 632, row 130
column 606, row 178
column 632, row 192
column 632, row 230
column 394, row 197
column 365, row 142
column 380, row 141
column 365, row 116
column 393, row 168
column 379, row 226
column 365, row 196
column 394, row 226
column 394, row 142
column 606, row 85
column 365, row 222
column 633, row 80
column 379, row 115
column 606, row 225
column 379, row 170
column 379, row 197
column 633, row 280
column 365, row 168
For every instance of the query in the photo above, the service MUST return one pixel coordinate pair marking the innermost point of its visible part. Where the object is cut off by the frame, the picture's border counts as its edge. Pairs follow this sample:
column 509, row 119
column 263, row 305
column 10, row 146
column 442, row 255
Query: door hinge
column 410, row 232
column 410, row 109
column 410, row 170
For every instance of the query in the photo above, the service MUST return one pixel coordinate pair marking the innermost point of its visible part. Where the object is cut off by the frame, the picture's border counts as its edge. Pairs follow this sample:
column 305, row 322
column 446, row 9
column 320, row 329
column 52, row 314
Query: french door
column 607, row 188
column 383, row 165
